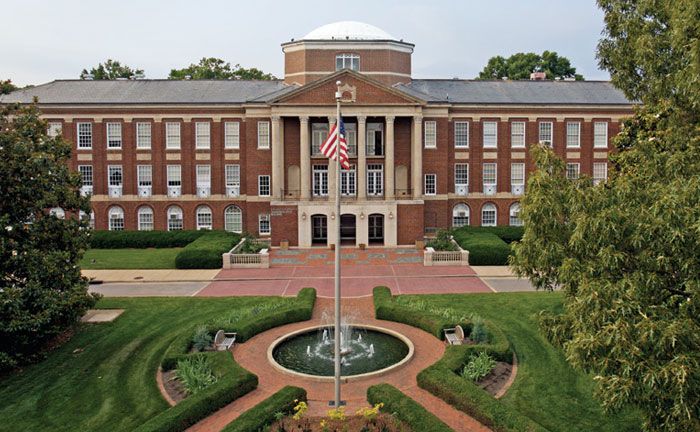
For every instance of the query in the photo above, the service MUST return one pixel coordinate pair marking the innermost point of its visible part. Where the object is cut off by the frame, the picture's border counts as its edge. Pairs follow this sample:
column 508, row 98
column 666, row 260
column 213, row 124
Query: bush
column 484, row 248
column 195, row 373
column 264, row 413
column 508, row 234
column 142, row 239
column 478, row 367
column 202, row 339
column 206, row 251
column 387, row 309
column 252, row 246
column 442, row 242
column 405, row 408
column 479, row 333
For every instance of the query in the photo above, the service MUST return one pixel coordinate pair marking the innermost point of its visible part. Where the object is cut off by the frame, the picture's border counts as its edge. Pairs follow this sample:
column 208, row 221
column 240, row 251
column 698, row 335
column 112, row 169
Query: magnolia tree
column 626, row 253
column 42, row 292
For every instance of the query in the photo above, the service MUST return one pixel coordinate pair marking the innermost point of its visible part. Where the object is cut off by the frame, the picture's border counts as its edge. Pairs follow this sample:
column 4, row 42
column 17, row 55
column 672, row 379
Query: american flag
column 329, row 147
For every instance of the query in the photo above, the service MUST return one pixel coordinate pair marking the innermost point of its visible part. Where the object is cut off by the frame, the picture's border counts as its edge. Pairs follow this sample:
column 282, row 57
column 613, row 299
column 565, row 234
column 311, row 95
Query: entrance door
column 319, row 229
column 376, row 228
column 347, row 228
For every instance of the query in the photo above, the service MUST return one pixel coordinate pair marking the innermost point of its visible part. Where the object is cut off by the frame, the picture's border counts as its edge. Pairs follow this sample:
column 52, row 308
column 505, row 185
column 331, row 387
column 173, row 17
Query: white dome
column 344, row 30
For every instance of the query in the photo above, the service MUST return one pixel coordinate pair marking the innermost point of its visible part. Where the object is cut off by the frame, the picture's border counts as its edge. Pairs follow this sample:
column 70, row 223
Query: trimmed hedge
column 484, row 248
column 206, row 251
column 142, row 239
column 233, row 382
column 406, row 409
column 386, row 309
column 263, row 413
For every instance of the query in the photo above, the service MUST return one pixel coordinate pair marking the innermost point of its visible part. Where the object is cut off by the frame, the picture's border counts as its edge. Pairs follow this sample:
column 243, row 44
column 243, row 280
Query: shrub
column 479, row 334
column 142, row 239
column 266, row 411
column 442, row 242
column 206, row 251
column 387, row 309
column 252, row 246
column 484, row 248
column 202, row 339
column 195, row 373
column 478, row 367
column 406, row 409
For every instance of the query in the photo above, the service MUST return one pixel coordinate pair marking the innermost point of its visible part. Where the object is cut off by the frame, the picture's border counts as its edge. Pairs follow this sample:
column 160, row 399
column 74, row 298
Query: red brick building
column 244, row 155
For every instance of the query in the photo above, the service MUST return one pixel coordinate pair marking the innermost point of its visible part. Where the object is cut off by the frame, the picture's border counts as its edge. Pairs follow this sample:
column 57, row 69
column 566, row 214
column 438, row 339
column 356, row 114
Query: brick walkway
column 252, row 355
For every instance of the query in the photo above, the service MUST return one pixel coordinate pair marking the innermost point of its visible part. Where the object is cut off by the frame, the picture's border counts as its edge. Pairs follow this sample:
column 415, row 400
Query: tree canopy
column 6, row 87
column 214, row 68
column 625, row 252
column 111, row 70
column 520, row 65
column 42, row 292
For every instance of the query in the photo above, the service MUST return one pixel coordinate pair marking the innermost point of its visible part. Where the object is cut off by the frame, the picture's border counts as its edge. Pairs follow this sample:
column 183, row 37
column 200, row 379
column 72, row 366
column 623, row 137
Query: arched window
column 116, row 219
column 488, row 215
column 515, row 215
column 174, row 218
column 145, row 218
column 58, row 212
column 204, row 219
column 460, row 215
column 233, row 219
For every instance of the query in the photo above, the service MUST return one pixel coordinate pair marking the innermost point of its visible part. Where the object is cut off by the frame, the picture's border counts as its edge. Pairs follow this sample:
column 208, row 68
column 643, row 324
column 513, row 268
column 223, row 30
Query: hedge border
column 103, row 239
column 206, row 252
column 263, row 413
column 406, row 409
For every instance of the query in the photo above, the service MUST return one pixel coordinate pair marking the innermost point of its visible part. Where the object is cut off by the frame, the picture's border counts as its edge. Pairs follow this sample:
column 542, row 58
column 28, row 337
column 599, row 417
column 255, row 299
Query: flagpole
column 337, row 249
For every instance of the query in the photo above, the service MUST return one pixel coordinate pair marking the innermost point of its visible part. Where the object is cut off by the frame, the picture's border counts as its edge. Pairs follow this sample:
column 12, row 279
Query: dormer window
column 347, row 61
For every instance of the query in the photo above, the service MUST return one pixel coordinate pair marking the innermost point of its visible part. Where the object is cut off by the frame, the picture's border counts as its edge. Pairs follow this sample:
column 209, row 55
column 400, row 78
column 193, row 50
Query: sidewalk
column 494, row 271
column 169, row 275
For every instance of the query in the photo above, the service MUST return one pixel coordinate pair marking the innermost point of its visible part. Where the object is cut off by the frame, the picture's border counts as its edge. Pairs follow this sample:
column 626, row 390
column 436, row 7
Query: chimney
column 538, row 76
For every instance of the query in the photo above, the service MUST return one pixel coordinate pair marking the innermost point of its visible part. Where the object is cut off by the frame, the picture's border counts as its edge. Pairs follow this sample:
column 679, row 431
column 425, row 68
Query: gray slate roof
column 148, row 92
column 516, row 92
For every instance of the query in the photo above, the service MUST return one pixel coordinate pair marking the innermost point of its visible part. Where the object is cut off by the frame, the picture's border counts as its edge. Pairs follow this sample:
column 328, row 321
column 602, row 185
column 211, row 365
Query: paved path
column 137, row 275
column 252, row 355
column 149, row 289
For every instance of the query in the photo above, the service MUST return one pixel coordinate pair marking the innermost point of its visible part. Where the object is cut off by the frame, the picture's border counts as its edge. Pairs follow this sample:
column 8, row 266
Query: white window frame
column 573, row 134
column 144, row 223
column 173, row 223
column 204, row 218
column 546, row 133
column 573, row 170
column 114, row 169
column 495, row 174
column 456, row 217
column 319, row 134
column 489, row 137
column 84, row 135
column 233, row 219
column 203, row 175
column 489, row 207
column 513, row 215
column 461, row 176
column 114, row 222
column 264, row 224
column 600, row 172
column 348, row 181
column 375, row 180
column 430, row 184
column 263, row 135
column 174, row 175
column 232, row 175
column 517, row 174
column 114, row 135
column 86, row 174
column 430, row 134
column 517, row 134
column 232, row 135
column 143, row 135
column 370, row 143
column 144, row 175
column 54, row 129
column 319, row 180
column 461, row 133
column 202, row 135
column 351, row 138
column 264, row 186
column 173, row 137
column 347, row 61
column 600, row 134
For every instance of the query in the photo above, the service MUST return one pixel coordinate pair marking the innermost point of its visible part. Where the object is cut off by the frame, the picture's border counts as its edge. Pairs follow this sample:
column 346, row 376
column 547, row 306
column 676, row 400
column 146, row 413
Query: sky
column 43, row 40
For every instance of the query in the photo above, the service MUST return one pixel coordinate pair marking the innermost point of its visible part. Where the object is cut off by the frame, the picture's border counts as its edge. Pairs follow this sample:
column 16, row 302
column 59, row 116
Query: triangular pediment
column 356, row 88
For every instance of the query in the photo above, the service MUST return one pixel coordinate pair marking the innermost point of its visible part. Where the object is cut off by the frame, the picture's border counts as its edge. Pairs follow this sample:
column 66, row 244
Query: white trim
column 320, row 73
column 338, row 45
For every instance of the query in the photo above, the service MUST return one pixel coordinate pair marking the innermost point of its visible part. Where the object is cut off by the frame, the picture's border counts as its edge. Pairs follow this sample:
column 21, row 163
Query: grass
column 129, row 259
column 103, row 378
column 546, row 389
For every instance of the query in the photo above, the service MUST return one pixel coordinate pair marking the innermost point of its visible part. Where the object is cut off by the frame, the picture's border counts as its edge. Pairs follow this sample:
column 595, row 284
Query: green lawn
column 162, row 258
column 103, row 379
column 546, row 389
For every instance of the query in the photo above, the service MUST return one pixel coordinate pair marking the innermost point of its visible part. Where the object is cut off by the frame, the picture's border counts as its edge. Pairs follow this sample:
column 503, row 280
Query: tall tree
column 625, row 253
column 214, row 68
column 42, row 292
column 6, row 87
column 111, row 70
column 520, row 65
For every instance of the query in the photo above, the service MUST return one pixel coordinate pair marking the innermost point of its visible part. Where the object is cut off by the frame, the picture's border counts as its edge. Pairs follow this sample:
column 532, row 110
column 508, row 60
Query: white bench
column 224, row 341
column 454, row 336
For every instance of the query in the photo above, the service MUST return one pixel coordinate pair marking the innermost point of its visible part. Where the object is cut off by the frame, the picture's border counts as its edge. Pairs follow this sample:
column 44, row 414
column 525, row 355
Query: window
column 430, row 134
column 600, row 134
column 264, row 185
column 264, row 224
column 233, row 219
column 172, row 135
column 174, row 176
column 488, row 215
column 348, row 181
column 204, row 220
column 319, row 133
column 320, row 180
column 489, row 173
column 232, row 135
column 202, row 135
column 144, row 174
column 351, row 138
column 429, row 184
column 546, row 133
column 84, row 135
column 233, row 177
column 55, row 129
column 203, row 176
column 174, row 218
column 347, row 61
column 461, row 134
column 573, row 170
column 375, row 139
column 490, row 134
column 145, row 218
column 460, row 215
column 143, row 135
column 58, row 212
column 517, row 178
column 375, row 179
column 517, row 134
column 461, row 178
column 114, row 175
column 600, row 172
column 85, row 174
column 114, row 135
column 89, row 218
column 573, row 134
column 264, row 135
column 514, row 213
column 115, row 219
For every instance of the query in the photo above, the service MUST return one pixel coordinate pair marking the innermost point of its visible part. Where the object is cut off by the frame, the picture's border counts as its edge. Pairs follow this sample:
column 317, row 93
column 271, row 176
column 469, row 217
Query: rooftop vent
column 538, row 76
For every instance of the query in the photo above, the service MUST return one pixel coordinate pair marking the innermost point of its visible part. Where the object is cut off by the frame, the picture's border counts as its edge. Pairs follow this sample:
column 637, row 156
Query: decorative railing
column 431, row 257
column 234, row 259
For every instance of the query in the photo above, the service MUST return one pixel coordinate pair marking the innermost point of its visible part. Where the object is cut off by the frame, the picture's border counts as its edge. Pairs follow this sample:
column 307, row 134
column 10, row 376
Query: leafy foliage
column 478, row 366
column 206, row 251
column 392, row 400
column 42, row 292
column 273, row 408
column 479, row 333
column 143, row 239
column 442, row 241
column 195, row 374
column 111, row 70
column 202, row 339
column 485, row 248
column 7, row 87
column 215, row 68
column 519, row 66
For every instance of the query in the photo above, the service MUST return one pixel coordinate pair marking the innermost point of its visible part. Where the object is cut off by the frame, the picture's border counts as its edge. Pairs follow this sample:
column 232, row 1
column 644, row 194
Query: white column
column 417, row 157
column 304, row 157
column 389, row 158
column 277, row 158
column 362, row 158
column 331, row 166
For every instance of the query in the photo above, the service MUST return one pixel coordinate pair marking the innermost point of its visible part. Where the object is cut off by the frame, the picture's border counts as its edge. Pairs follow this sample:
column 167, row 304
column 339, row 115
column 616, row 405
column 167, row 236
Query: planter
column 363, row 246
column 284, row 244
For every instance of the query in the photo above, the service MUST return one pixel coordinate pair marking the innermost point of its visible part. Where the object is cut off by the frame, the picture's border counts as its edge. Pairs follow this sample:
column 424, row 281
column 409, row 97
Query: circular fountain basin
column 372, row 351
